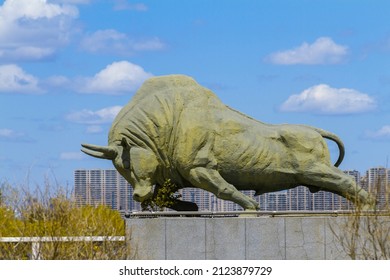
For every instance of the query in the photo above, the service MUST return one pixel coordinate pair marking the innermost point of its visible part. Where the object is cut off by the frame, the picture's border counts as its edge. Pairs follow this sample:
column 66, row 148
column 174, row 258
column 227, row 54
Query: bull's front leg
column 210, row 180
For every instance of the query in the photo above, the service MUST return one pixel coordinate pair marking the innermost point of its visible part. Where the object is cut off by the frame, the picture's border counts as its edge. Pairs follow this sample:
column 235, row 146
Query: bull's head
column 139, row 175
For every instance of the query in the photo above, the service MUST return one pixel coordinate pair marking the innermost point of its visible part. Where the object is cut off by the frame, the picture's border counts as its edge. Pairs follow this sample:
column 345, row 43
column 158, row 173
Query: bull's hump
column 171, row 80
column 171, row 85
column 163, row 86
column 159, row 104
column 165, row 83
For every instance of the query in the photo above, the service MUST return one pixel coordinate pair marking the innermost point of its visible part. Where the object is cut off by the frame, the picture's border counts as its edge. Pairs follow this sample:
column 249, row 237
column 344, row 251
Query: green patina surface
column 175, row 129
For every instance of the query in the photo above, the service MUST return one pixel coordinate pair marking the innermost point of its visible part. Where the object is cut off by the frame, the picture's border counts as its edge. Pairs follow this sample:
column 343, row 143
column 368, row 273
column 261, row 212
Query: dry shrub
column 365, row 234
column 50, row 212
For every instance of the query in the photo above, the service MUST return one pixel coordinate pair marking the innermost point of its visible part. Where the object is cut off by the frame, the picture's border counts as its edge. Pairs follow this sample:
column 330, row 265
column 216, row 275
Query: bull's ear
column 125, row 144
column 125, row 153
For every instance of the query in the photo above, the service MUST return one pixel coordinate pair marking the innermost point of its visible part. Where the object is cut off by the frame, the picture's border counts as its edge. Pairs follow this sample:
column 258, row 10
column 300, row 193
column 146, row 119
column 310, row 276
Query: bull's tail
column 333, row 137
column 337, row 140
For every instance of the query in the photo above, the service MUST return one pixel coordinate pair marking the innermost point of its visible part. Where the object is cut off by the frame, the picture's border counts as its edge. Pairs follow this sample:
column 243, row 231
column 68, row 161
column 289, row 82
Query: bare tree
column 366, row 234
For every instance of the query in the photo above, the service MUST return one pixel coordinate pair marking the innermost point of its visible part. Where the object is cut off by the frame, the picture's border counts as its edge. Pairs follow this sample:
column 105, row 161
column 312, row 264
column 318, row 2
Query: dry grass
column 366, row 234
column 50, row 212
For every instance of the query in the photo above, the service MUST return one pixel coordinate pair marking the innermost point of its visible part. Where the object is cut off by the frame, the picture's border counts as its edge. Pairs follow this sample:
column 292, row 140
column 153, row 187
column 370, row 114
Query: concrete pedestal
column 267, row 238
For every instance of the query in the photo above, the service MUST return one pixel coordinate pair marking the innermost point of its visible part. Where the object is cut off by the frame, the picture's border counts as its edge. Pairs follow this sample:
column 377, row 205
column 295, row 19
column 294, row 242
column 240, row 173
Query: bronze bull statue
column 175, row 129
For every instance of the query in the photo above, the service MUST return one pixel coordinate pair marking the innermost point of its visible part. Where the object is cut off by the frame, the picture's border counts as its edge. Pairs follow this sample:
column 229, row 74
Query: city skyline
column 68, row 66
column 108, row 187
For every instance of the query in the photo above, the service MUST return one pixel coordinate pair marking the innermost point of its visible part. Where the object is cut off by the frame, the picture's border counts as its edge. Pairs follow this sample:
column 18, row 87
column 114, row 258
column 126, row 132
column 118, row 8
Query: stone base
column 267, row 238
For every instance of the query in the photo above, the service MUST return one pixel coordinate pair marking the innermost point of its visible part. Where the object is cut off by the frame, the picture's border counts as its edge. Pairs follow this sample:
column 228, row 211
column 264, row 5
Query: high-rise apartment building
column 207, row 201
column 378, row 182
column 103, row 187
column 198, row 196
column 377, row 176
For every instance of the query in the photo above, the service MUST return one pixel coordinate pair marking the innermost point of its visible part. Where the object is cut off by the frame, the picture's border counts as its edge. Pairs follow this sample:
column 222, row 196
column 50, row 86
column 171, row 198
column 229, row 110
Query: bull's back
column 252, row 154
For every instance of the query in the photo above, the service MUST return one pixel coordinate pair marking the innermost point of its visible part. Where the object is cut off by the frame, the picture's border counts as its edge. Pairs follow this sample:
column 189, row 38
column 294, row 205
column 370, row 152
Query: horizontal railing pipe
column 145, row 214
column 63, row 239
column 36, row 241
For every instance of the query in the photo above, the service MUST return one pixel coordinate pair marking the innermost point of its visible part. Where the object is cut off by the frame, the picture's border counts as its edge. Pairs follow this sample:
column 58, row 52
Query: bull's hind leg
column 332, row 179
column 210, row 180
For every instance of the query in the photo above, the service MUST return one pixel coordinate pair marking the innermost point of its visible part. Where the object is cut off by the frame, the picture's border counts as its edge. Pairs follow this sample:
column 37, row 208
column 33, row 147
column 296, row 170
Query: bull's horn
column 105, row 152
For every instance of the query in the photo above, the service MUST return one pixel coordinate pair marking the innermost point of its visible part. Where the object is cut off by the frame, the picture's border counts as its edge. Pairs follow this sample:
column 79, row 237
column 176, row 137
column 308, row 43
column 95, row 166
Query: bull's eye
column 126, row 164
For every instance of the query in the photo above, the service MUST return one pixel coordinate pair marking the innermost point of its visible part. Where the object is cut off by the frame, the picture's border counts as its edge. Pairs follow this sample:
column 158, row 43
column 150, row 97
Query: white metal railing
column 36, row 241
column 146, row 214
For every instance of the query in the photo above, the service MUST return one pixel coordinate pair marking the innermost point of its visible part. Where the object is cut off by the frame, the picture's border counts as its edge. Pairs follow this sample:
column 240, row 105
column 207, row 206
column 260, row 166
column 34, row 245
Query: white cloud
column 112, row 41
column 323, row 51
column 71, row 156
column 382, row 133
column 323, row 99
column 15, row 79
column 34, row 9
column 33, row 29
column 26, row 53
column 116, row 78
column 105, row 115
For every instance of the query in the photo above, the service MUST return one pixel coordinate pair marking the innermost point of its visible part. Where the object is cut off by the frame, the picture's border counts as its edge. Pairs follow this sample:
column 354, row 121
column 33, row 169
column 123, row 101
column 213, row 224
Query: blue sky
column 67, row 67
